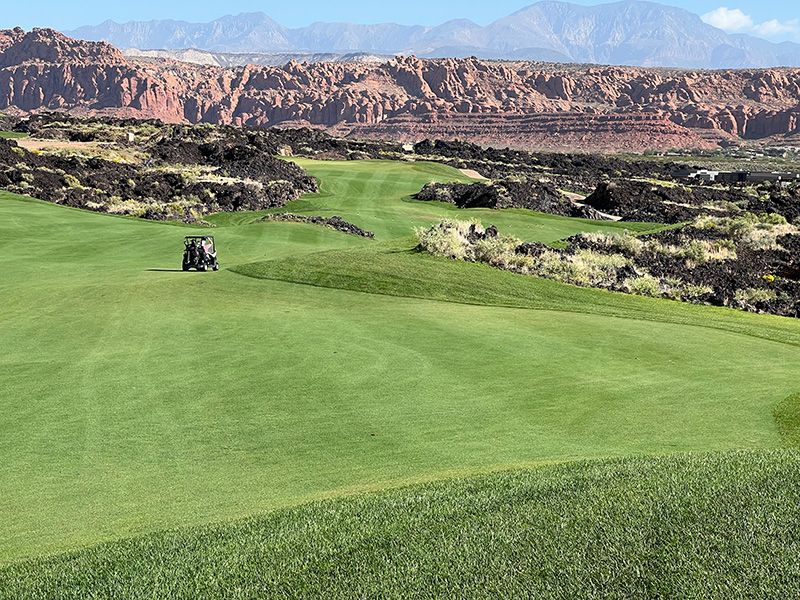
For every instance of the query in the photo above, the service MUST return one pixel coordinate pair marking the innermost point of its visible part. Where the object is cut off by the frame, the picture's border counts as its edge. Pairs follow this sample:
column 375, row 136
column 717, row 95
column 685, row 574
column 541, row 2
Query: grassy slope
column 357, row 192
column 395, row 268
column 718, row 526
column 136, row 399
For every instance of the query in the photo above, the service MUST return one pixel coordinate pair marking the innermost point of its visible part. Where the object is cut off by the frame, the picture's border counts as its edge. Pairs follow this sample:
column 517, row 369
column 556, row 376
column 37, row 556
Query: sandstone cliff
column 517, row 104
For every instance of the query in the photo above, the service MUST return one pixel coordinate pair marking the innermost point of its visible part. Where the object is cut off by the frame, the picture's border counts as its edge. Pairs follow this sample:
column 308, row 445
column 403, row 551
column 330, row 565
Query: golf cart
column 199, row 253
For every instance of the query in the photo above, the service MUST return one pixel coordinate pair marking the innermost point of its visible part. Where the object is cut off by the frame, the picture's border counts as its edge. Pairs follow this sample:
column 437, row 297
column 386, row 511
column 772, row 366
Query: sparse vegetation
column 621, row 261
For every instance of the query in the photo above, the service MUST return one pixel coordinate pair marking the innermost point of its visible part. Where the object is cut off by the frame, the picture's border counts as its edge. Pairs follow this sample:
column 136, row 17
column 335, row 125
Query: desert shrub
column 723, row 205
column 645, row 285
column 720, row 250
column 765, row 237
column 752, row 295
column 442, row 242
column 552, row 265
column 496, row 251
column 690, row 291
column 671, row 287
column 448, row 238
column 518, row 263
column 175, row 208
column 585, row 267
column 658, row 248
column 756, row 231
column 695, row 253
column 771, row 219
column 606, row 262
column 627, row 244
column 71, row 181
column 596, row 268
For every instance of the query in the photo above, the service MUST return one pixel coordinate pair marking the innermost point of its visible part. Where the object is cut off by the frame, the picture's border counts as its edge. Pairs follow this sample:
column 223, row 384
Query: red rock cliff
column 529, row 104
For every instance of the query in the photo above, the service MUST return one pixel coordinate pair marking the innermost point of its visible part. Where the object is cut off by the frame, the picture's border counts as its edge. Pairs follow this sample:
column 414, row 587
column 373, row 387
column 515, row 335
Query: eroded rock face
column 518, row 104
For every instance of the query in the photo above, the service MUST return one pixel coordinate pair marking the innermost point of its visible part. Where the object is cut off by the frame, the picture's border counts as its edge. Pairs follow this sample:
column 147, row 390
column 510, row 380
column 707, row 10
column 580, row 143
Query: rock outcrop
column 519, row 104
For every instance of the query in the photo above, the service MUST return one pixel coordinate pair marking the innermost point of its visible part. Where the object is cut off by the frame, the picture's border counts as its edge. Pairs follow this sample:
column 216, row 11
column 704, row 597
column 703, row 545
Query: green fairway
column 366, row 193
column 687, row 526
column 136, row 397
column 12, row 135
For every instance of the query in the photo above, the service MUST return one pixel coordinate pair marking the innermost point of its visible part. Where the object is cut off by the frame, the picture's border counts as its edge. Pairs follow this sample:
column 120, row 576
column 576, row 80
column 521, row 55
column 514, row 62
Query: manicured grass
column 703, row 526
column 787, row 415
column 377, row 196
column 12, row 135
column 395, row 268
column 137, row 397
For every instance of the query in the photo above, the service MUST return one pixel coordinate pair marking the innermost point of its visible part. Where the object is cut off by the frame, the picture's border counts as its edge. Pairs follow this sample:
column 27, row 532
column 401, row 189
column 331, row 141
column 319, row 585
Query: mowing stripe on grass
column 687, row 526
column 787, row 416
column 137, row 397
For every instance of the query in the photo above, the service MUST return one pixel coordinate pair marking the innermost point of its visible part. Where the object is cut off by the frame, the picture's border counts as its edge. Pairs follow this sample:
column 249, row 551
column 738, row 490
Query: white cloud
column 729, row 20
column 775, row 27
column 735, row 21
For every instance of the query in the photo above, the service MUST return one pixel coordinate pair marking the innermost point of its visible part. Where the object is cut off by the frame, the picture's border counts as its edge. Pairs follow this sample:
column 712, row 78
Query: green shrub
column 552, row 265
column 695, row 253
column 753, row 295
column 691, row 291
column 496, row 251
column 448, row 239
column 71, row 181
column 646, row 285
column 627, row 244
column 756, row 231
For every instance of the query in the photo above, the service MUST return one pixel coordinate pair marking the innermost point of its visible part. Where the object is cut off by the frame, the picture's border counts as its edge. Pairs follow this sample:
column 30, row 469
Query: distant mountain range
column 266, row 59
column 525, row 104
column 622, row 33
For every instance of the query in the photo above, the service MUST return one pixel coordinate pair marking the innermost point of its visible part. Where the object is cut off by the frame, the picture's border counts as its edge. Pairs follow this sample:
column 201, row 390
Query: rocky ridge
column 628, row 32
column 517, row 104
column 186, row 176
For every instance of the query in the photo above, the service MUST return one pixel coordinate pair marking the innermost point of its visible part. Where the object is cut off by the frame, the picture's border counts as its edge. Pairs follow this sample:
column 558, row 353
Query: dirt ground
column 37, row 144
column 472, row 173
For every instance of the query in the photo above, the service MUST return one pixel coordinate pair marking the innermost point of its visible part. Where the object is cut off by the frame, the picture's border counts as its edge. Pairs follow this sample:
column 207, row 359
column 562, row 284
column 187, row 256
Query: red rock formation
column 518, row 104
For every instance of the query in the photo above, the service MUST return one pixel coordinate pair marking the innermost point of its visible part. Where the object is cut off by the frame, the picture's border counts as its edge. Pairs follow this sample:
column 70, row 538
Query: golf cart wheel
column 185, row 266
column 215, row 267
column 202, row 267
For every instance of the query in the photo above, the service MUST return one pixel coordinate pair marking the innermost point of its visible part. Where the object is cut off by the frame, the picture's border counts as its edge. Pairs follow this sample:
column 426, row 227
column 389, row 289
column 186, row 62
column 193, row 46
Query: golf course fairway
column 138, row 398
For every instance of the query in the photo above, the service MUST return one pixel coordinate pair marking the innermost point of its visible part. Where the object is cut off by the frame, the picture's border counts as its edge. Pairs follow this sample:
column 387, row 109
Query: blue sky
column 775, row 20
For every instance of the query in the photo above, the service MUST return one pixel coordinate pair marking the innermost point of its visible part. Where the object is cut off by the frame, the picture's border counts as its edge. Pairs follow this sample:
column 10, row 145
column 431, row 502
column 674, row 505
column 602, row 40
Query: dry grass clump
column 585, row 267
column 644, row 285
column 464, row 240
column 448, row 238
column 759, row 232
column 500, row 252
column 625, row 243
column 467, row 240
column 753, row 295
column 695, row 252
